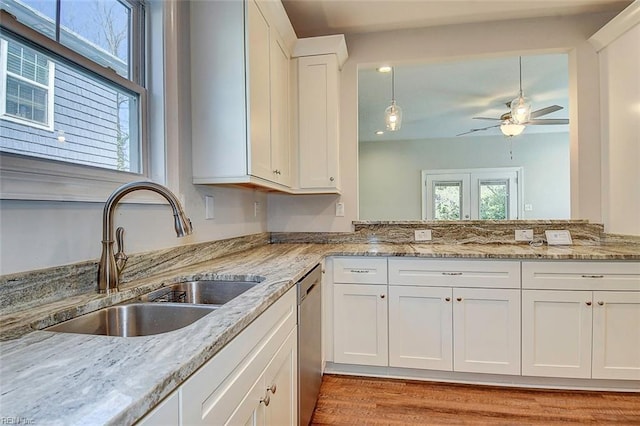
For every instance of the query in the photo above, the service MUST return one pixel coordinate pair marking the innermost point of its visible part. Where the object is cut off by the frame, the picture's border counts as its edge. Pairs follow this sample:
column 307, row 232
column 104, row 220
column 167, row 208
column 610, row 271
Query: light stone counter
column 66, row 379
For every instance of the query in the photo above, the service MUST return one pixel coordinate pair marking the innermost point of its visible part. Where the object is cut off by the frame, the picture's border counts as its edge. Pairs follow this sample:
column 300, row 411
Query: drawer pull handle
column 272, row 389
column 452, row 273
column 447, row 299
column 601, row 303
column 266, row 400
column 359, row 271
column 459, row 299
column 588, row 303
column 592, row 276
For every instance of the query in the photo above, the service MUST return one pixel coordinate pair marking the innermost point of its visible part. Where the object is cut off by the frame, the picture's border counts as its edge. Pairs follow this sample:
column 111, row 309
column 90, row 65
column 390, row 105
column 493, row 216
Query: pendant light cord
column 520, row 59
column 393, row 85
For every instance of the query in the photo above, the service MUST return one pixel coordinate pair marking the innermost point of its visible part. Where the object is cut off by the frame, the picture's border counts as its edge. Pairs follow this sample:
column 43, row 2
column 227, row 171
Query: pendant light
column 520, row 106
column 393, row 113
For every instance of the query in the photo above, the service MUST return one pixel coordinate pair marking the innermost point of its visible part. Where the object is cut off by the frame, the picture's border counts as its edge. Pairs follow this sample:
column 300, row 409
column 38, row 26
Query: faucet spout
column 108, row 272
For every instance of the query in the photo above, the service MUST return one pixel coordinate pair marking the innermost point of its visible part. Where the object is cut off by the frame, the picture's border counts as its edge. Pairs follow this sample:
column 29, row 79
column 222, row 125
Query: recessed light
column 384, row 68
column 379, row 132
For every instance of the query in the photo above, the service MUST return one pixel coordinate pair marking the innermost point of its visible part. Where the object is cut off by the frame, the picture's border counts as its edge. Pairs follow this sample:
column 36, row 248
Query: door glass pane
column 447, row 200
column 494, row 199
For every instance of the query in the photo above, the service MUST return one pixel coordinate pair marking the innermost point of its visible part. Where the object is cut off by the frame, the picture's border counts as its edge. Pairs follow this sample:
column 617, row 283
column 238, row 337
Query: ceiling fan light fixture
column 393, row 113
column 520, row 110
column 512, row 129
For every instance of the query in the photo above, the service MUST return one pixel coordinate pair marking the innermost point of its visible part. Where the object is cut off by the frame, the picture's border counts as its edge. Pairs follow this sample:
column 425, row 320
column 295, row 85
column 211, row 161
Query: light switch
column 208, row 207
column 340, row 209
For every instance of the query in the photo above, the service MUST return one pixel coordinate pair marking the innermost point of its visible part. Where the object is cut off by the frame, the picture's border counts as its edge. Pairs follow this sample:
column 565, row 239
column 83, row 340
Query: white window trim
column 31, row 178
column 425, row 175
column 50, row 88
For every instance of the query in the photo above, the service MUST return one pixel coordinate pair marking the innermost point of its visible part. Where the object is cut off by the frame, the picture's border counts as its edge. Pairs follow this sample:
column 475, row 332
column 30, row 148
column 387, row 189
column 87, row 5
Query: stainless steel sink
column 135, row 319
column 213, row 293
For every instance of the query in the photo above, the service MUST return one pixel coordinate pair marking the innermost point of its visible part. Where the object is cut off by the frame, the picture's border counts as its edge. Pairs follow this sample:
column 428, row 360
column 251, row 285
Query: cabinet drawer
column 449, row 273
column 562, row 275
column 360, row 270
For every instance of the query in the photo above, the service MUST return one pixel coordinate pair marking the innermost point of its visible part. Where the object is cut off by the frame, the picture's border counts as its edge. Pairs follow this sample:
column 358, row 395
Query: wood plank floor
column 348, row 400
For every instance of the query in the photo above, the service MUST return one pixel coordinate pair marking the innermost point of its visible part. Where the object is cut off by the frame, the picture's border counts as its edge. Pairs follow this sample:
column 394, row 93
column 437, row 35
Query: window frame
column 32, row 178
column 50, row 88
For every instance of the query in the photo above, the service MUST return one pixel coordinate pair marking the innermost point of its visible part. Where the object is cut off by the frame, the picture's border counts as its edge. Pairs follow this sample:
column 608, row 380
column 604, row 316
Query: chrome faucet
column 111, row 265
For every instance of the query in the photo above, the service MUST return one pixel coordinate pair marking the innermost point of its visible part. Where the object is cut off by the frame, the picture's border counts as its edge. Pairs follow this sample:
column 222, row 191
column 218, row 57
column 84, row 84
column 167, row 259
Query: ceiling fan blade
column 478, row 130
column 549, row 121
column 545, row 111
column 486, row 118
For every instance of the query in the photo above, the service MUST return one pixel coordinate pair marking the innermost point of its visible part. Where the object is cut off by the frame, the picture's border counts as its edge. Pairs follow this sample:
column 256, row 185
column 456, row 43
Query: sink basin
column 135, row 319
column 205, row 292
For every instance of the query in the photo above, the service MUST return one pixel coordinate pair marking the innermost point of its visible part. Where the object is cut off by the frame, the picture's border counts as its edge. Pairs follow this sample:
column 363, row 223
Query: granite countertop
column 58, row 378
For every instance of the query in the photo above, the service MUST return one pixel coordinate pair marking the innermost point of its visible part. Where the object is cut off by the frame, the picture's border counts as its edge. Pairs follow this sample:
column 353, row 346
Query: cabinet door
column 280, row 117
column 486, row 330
column 250, row 411
column 259, row 93
column 360, row 324
column 420, row 327
column 556, row 333
column 318, row 121
column 282, row 384
column 616, row 335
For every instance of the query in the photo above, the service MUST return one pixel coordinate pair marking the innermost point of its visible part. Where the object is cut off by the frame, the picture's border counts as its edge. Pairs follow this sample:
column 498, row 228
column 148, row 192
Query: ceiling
column 323, row 17
column 439, row 100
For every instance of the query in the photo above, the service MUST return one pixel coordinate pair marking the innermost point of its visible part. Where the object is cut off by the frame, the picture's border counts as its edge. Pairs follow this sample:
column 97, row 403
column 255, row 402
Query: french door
column 474, row 194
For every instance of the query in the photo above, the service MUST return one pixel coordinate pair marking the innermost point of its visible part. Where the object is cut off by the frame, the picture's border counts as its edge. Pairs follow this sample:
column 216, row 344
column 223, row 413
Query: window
column 27, row 81
column 484, row 194
column 72, row 74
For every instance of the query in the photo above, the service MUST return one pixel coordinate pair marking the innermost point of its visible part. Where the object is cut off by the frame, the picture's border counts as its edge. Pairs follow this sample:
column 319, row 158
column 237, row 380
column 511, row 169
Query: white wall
column 558, row 34
column 620, row 88
column 36, row 234
column 390, row 171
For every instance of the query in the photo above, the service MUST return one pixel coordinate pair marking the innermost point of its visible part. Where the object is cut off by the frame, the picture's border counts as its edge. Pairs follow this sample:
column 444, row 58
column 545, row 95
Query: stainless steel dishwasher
column 309, row 343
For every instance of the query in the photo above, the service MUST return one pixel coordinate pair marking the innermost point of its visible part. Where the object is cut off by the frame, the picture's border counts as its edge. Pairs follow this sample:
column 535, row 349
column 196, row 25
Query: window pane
column 37, row 14
column 99, row 120
column 99, row 30
column 494, row 199
column 447, row 200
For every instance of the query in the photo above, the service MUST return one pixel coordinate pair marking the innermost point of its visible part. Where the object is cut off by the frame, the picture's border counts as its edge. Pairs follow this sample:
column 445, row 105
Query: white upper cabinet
column 240, row 93
column 319, row 61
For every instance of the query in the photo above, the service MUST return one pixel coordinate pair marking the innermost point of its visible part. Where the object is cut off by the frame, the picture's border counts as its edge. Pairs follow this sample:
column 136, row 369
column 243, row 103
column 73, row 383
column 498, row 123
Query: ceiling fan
column 505, row 119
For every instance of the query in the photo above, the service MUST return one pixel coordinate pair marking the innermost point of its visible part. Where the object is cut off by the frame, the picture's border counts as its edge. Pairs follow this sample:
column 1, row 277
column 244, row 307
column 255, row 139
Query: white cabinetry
column 360, row 311
column 252, row 378
column 319, row 60
column 581, row 319
column 240, row 93
column 434, row 324
column 165, row 413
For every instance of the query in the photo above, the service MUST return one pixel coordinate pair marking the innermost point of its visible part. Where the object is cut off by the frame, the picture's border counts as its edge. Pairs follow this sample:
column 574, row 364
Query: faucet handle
column 120, row 256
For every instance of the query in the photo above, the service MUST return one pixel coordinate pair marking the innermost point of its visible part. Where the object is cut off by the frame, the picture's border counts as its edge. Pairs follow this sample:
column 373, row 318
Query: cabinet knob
column 588, row 303
column 382, row 296
column 272, row 389
column 459, row 299
column 447, row 299
column 331, row 179
column 266, row 400
column 277, row 172
column 601, row 303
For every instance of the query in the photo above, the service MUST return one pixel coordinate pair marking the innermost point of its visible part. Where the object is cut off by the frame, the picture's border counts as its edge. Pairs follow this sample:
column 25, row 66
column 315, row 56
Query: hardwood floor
column 347, row 400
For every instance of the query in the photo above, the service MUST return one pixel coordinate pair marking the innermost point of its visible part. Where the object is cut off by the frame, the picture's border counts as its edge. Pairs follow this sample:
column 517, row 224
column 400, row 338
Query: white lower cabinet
column 165, row 413
column 455, row 329
column 581, row 334
column 360, row 324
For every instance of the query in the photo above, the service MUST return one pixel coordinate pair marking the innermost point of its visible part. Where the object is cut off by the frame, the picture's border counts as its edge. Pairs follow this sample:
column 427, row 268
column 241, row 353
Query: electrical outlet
column 528, row 207
column 340, row 209
column 524, row 234
column 208, row 207
column 422, row 235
